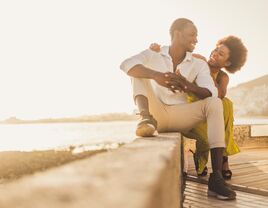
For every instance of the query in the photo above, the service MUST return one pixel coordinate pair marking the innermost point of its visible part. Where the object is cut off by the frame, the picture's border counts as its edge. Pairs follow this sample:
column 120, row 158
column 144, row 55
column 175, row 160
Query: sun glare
column 61, row 58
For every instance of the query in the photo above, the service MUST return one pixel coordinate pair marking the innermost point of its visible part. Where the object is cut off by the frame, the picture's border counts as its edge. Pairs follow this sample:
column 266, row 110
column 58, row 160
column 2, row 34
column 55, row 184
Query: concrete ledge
column 143, row 174
column 259, row 130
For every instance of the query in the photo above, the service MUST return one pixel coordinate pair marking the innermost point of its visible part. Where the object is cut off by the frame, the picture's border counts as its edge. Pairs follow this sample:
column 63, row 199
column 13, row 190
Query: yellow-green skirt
column 200, row 134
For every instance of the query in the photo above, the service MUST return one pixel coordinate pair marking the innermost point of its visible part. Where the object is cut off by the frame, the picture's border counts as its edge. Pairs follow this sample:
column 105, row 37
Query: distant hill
column 250, row 98
column 90, row 118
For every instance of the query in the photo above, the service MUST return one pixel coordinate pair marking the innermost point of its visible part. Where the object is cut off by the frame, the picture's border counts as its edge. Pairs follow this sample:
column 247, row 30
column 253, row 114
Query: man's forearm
column 140, row 71
column 180, row 83
column 200, row 92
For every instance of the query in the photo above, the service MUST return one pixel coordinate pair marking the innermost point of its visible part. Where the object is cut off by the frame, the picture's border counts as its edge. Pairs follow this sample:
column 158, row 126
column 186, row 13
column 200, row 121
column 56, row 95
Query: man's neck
column 177, row 55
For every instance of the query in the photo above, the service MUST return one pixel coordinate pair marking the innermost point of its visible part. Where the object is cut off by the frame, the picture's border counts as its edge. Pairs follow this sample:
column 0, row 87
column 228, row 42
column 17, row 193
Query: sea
column 83, row 136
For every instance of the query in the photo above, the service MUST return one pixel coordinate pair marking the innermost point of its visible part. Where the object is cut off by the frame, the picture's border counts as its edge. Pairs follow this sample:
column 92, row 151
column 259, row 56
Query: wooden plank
column 250, row 168
column 195, row 197
column 203, row 191
column 257, row 183
column 251, row 179
column 245, row 175
column 238, row 187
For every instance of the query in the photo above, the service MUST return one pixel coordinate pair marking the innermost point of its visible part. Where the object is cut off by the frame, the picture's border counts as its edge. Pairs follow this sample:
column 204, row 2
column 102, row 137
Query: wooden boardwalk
column 196, row 197
column 250, row 180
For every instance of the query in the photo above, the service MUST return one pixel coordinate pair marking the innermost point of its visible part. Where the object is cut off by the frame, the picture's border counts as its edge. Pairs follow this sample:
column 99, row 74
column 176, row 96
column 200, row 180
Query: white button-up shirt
column 193, row 69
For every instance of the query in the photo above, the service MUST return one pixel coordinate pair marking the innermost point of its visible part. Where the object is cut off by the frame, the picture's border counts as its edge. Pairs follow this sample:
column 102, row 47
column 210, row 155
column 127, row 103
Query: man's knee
column 140, row 87
column 214, row 104
column 140, row 99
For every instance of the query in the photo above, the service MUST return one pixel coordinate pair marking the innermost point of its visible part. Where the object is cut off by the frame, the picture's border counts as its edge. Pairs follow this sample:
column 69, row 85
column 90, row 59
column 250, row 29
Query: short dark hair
column 179, row 24
column 238, row 52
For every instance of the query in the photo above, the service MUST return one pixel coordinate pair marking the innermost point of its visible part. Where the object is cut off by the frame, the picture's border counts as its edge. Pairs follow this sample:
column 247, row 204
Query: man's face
column 219, row 57
column 188, row 37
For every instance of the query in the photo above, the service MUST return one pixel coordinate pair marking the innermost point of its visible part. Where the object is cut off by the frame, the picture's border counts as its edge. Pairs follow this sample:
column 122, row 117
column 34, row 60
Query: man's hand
column 162, row 79
column 178, row 82
column 171, row 81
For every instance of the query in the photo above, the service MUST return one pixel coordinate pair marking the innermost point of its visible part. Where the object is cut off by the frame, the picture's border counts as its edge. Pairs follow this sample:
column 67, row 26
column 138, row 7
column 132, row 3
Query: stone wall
column 142, row 174
column 243, row 138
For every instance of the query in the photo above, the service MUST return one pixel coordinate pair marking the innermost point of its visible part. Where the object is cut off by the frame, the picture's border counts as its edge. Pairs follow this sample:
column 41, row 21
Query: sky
column 60, row 58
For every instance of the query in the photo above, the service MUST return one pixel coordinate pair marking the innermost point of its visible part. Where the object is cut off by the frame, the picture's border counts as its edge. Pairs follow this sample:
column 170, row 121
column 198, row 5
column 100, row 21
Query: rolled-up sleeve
column 205, row 80
column 141, row 58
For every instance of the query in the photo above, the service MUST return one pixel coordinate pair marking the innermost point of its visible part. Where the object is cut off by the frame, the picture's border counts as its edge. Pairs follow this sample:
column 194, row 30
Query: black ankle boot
column 217, row 187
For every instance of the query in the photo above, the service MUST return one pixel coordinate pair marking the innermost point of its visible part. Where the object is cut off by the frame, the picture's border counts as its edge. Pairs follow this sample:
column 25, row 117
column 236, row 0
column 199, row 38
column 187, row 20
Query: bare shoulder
column 222, row 77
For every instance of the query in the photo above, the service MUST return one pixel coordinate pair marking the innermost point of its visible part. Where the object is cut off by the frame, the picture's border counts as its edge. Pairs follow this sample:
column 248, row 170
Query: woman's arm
column 222, row 84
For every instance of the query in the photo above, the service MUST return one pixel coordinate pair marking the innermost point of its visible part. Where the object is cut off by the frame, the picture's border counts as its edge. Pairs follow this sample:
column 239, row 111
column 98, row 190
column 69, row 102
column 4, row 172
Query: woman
column 230, row 54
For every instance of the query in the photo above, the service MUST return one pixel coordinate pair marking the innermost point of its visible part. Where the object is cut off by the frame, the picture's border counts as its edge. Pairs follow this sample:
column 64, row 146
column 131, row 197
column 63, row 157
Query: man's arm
column 163, row 79
column 200, row 92
column 140, row 71
column 135, row 67
column 205, row 81
column 181, row 83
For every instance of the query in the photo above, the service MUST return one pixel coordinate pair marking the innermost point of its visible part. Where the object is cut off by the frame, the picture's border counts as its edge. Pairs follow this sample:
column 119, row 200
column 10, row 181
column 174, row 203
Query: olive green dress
column 200, row 134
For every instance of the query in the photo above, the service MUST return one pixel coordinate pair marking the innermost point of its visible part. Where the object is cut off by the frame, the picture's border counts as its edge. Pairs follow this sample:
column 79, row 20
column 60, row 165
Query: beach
column 15, row 164
column 29, row 148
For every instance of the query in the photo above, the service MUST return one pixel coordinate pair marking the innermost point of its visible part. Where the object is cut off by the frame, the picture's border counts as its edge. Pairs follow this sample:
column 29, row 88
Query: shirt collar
column 164, row 51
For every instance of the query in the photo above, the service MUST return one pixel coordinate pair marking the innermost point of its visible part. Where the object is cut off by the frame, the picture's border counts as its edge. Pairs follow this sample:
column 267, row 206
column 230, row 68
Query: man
column 160, row 82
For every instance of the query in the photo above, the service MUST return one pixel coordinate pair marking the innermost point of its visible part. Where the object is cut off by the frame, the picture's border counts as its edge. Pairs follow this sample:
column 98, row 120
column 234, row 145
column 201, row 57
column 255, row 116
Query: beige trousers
column 183, row 117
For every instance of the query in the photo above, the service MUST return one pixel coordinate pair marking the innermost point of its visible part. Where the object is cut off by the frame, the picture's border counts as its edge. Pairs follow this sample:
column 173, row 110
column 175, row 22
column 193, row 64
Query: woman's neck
column 214, row 70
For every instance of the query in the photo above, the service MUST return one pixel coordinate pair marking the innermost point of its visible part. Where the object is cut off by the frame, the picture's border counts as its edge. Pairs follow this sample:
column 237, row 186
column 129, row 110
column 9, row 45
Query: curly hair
column 179, row 24
column 238, row 52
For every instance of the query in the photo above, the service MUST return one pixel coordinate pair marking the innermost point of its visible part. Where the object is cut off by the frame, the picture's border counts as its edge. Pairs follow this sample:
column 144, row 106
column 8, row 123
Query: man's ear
column 176, row 33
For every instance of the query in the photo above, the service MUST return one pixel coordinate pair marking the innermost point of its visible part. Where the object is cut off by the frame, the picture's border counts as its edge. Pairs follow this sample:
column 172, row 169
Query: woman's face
column 219, row 57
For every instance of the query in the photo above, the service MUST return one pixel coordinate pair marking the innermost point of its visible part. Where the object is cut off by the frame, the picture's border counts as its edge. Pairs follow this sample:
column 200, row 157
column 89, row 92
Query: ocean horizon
column 90, row 135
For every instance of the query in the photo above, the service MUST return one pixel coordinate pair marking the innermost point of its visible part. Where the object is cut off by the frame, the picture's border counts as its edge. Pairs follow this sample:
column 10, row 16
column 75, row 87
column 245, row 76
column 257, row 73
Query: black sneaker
column 147, row 125
column 217, row 187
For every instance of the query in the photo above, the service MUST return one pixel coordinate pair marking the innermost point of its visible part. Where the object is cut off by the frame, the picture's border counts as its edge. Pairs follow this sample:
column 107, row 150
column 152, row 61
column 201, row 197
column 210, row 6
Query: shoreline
column 16, row 164
column 133, row 119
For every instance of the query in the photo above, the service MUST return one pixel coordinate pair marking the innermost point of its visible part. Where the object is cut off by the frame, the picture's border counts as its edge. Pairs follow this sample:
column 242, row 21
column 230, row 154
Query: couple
column 162, row 81
column 228, row 50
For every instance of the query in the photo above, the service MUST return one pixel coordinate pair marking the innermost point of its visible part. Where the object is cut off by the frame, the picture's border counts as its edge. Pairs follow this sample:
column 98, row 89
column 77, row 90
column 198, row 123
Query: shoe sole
column 221, row 197
column 146, row 130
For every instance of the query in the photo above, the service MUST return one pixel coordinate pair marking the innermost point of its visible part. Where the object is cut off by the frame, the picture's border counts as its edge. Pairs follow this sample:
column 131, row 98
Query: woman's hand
column 155, row 47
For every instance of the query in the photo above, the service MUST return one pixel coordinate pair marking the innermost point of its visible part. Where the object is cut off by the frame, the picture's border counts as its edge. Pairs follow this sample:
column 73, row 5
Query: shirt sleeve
column 205, row 80
column 141, row 58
